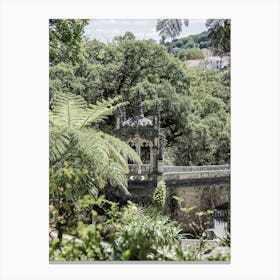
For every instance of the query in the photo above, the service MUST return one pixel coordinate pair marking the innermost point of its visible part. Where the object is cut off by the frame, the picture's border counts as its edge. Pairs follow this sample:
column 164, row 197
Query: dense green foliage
column 205, row 139
column 136, row 233
column 199, row 41
column 195, row 103
column 87, row 246
column 159, row 196
column 67, row 187
column 66, row 40
column 189, row 54
column 145, row 234
column 130, row 233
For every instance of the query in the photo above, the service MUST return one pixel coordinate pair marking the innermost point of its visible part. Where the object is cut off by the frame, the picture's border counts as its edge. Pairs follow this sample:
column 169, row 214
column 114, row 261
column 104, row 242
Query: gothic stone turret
column 144, row 136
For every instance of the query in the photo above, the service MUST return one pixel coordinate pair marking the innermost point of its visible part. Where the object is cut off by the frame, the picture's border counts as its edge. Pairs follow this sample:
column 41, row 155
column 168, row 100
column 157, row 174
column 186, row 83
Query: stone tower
column 144, row 136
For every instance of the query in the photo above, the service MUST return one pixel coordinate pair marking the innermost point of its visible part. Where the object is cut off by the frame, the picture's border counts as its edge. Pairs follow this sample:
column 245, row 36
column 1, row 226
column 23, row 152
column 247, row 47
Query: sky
column 106, row 29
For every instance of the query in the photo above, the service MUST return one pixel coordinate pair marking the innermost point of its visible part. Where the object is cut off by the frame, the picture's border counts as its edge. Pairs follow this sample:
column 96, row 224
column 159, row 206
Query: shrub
column 145, row 234
column 67, row 186
column 159, row 195
column 86, row 247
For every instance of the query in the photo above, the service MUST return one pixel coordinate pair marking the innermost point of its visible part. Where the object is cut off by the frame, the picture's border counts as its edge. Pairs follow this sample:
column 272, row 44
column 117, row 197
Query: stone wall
column 201, row 197
column 204, row 190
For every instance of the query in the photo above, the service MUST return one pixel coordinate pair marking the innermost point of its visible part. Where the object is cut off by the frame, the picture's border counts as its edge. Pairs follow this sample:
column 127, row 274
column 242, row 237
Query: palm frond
column 170, row 28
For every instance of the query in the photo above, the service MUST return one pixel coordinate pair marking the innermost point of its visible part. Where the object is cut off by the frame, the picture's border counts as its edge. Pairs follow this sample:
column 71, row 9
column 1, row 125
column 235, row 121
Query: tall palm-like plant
column 170, row 28
column 73, row 139
column 219, row 34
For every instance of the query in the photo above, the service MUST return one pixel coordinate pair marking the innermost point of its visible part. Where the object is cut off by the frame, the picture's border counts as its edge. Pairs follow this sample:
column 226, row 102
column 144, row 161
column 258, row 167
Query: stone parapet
column 179, row 169
column 179, row 176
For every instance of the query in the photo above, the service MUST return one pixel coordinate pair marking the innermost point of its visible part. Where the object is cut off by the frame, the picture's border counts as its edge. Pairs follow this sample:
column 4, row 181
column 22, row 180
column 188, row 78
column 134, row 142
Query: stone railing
column 139, row 168
column 183, row 173
column 184, row 169
column 146, row 168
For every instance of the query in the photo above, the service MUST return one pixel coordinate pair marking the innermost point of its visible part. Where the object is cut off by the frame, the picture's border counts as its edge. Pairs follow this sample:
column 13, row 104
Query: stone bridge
column 200, row 188
column 192, row 175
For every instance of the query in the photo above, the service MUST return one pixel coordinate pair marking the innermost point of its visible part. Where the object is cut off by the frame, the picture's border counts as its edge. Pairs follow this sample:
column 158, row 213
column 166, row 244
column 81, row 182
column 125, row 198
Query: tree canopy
column 193, row 102
column 66, row 40
column 192, row 41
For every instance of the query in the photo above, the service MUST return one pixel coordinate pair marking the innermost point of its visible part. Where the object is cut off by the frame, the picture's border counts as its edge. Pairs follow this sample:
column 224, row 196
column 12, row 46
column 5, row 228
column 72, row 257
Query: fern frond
column 102, row 110
column 124, row 149
column 116, row 156
column 72, row 111
column 58, row 141
column 117, row 177
column 92, row 150
column 71, row 139
column 69, row 110
column 102, row 157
